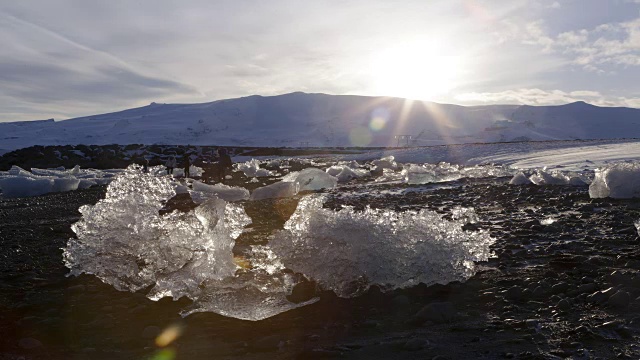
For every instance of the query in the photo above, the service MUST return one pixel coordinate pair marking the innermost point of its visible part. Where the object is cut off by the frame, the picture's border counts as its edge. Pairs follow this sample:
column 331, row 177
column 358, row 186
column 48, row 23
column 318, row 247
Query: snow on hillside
column 326, row 120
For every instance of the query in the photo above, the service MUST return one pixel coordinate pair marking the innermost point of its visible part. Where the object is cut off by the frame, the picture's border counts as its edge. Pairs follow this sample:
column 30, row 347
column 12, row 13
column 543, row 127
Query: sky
column 69, row 58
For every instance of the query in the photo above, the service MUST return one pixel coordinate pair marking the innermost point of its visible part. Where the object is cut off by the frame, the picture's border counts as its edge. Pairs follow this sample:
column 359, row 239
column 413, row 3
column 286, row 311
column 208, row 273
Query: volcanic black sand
column 564, row 290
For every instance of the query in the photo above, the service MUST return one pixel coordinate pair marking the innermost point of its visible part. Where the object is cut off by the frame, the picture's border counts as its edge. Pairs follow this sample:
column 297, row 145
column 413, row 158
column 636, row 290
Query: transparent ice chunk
column 315, row 179
column 252, row 168
column 203, row 191
column 124, row 241
column 345, row 173
column 554, row 177
column 385, row 163
column 276, row 190
column 347, row 251
column 620, row 180
column 520, row 179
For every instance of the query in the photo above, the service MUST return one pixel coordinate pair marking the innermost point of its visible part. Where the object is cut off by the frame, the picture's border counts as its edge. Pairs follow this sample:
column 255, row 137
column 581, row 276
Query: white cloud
column 615, row 44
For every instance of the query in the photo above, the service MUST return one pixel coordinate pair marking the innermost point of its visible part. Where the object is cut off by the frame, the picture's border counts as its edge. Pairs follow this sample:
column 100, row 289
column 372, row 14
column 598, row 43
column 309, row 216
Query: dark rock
column 587, row 288
column 618, row 278
column 269, row 343
column 29, row 343
column 620, row 299
column 371, row 324
column 415, row 344
column 564, row 305
column 320, row 354
column 514, row 293
column 302, row 291
column 400, row 302
column 559, row 288
column 150, row 332
column 438, row 312
column 539, row 292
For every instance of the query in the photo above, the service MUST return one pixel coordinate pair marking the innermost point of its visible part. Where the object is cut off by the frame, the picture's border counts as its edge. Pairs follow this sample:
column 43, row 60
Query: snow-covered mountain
column 325, row 120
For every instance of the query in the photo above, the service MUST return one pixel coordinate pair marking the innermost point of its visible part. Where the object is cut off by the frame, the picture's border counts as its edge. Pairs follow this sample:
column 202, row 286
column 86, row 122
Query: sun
column 416, row 70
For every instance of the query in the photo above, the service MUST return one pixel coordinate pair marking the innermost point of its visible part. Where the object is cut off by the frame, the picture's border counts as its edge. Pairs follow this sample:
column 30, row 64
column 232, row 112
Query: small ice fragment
column 276, row 190
column 547, row 221
column 315, row 179
column 544, row 177
column 385, row 163
column 229, row 193
column 520, row 179
column 252, row 168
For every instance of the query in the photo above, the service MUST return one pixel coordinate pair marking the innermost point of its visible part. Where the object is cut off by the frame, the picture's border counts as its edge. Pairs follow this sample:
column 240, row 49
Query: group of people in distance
column 216, row 171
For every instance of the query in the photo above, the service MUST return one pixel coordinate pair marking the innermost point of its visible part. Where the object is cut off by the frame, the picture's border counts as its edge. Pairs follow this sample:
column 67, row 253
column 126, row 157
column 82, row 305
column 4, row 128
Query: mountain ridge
column 318, row 119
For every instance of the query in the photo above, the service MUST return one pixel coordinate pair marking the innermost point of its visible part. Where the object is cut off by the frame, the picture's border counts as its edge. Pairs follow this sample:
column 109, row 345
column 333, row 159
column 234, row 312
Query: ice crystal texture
column 252, row 168
column 347, row 251
column 126, row 243
column 620, row 180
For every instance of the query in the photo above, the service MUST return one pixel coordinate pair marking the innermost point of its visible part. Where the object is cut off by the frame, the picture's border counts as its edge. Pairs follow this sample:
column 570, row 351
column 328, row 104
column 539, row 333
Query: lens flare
column 169, row 335
column 164, row 354
column 360, row 136
column 379, row 118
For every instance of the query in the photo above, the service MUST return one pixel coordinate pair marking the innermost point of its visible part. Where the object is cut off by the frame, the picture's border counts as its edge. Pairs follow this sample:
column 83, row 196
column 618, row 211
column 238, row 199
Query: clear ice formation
column 520, row 179
column 276, row 190
column 432, row 173
column 124, row 242
column 315, row 179
column 201, row 192
column 252, row 168
column 619, row 180
column 344, row 173
column 385, row 163
column 347, row 251
column 554, row 177
column 292, row 183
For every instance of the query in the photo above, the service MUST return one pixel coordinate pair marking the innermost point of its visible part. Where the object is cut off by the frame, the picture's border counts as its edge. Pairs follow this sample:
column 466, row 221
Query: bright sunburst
column 415, row 70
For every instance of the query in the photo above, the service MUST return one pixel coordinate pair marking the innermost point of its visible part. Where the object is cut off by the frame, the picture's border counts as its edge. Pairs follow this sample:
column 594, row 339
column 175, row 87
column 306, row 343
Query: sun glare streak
column 442, row 122
column 402, row 118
